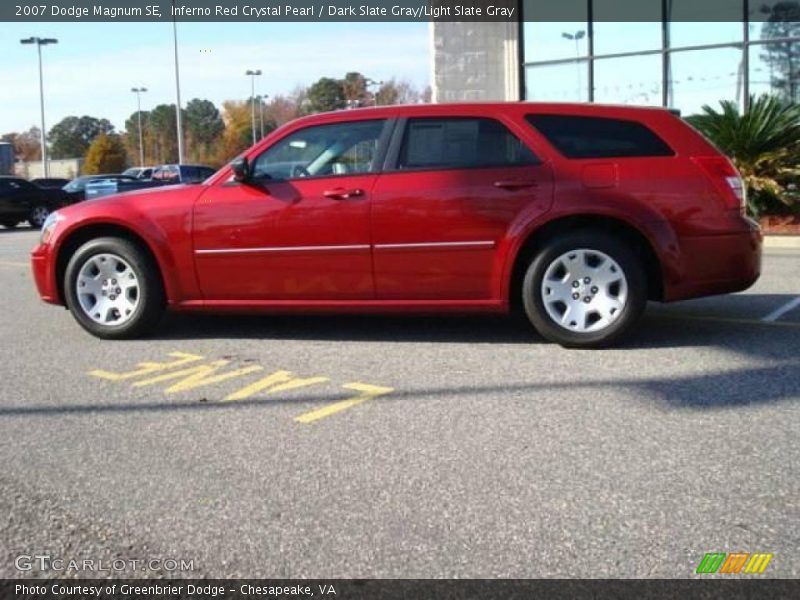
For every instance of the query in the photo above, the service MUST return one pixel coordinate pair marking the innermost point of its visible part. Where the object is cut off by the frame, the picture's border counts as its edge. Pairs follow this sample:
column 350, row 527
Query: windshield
column 76, row 185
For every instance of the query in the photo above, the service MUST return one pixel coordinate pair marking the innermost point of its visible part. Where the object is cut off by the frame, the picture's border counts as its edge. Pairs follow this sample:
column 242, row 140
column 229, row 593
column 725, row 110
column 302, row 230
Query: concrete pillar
column 475, row 61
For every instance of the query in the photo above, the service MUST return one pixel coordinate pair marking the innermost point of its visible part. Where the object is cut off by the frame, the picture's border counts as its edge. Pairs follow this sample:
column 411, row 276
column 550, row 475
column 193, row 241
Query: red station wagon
column 578, row 214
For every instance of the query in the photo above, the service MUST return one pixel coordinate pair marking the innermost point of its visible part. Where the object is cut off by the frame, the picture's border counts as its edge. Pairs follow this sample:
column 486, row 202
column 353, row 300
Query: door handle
column 515, row 184
column 342, row 193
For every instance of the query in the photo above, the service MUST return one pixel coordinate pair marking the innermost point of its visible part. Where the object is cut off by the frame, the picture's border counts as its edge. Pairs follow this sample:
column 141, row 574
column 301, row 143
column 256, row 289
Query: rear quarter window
column 599, row 137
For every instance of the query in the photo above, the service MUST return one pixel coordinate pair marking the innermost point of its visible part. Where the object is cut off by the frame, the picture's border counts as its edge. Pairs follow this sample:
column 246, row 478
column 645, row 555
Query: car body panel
column 284, row 240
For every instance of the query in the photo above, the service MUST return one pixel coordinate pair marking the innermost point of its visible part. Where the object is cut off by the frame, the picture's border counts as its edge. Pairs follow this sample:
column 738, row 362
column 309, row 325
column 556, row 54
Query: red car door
column 299, row 229
column 444, row 208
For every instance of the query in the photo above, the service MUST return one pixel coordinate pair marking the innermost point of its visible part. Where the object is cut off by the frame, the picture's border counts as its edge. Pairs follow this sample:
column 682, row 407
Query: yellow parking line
column 146, row 368
column 198, row 376
column 280, row 381
column 11, row 263
column 368, row 392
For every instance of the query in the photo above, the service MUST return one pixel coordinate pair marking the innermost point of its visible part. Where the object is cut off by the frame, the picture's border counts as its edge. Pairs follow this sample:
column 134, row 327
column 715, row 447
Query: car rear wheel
column 9, row 223
column 585, row 290
column 39, row 214
column 113, row 289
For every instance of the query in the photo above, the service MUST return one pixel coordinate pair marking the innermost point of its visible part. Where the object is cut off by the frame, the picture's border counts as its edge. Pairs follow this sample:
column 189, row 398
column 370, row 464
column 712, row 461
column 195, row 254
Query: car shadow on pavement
column 356, row 328
column 725, row 321
column 709, row 391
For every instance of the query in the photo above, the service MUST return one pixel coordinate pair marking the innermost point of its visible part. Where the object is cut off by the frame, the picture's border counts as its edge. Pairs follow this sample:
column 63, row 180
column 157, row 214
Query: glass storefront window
column 703, row 22
column 641, row 29
column 554, row 40
column 564, row 82
column 771, row 19
column 775, row 69
column 628, row 80
column 702, row 77
column 704, row 57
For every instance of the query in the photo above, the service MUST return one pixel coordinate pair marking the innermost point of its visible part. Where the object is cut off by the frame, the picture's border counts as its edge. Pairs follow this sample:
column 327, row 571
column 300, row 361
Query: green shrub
column 764, row 144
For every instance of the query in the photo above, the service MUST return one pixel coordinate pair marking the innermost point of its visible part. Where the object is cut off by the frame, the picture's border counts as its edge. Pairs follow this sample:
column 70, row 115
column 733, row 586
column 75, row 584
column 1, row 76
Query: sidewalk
column 782, row 241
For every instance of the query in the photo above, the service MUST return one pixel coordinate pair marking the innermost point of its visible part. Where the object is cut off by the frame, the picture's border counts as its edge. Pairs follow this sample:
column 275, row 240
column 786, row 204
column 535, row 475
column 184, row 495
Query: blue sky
column 94, row 65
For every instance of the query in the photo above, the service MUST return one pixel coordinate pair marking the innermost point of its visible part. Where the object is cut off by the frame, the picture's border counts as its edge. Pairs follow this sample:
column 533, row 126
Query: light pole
column 368, row 83
column 577, row 37
column 253, row 75
column 177, row 87
column 261, row 100
column 39, row 43
column 138, row 91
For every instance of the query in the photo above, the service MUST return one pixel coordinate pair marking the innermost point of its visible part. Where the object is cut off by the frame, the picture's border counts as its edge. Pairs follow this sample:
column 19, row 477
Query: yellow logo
column 720, row 562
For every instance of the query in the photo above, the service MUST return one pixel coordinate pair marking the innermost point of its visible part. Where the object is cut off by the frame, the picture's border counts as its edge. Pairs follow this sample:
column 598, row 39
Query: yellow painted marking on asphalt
column 146, row 368
column 279, row 381
column 198, row 376
column 367, row 392
column 194, row 376
column 11, row 263
column 758, row 563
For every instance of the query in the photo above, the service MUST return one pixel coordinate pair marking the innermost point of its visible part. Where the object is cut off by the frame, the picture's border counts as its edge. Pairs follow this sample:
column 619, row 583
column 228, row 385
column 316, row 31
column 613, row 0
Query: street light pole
column 577, row 37
column 178, row 118
column 138, row 91
column 368, row 83
column 253, row 75
column 261, row 100
column 39, row 43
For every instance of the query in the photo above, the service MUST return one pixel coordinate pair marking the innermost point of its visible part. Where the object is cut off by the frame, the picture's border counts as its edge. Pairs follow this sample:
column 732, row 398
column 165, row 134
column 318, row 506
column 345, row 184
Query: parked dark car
column 168, row 174
column 139, row 172
column 163, row 175
column 20, row 200
column 50, row 182
column 97, row 188
column 76, row 189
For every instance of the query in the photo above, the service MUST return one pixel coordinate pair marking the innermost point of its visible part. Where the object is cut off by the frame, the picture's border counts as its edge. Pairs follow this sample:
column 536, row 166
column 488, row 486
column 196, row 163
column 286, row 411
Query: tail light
column 726, row 181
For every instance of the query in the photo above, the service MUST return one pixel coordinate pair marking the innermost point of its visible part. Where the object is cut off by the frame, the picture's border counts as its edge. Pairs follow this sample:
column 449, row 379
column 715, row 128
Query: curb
column 782, row 241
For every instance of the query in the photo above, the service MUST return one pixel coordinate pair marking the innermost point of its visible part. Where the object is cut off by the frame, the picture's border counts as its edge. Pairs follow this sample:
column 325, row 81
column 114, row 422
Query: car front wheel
column 113, row 289
column 39, row 214
column 585, row 290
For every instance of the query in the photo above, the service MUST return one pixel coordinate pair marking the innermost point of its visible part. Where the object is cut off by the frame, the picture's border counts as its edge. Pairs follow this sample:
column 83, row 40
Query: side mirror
column 241, row 169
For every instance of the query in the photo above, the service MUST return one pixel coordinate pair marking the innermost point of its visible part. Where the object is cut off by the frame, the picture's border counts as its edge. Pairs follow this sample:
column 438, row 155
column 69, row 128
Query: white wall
column 68, row 168
column 475, row 61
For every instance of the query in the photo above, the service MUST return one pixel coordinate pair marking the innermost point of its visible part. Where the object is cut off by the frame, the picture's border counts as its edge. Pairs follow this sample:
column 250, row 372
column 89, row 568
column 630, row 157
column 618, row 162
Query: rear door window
column 599, row 137
column 461, row 143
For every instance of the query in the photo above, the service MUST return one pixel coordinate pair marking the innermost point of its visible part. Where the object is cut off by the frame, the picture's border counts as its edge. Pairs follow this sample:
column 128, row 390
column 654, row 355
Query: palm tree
column 764, row 144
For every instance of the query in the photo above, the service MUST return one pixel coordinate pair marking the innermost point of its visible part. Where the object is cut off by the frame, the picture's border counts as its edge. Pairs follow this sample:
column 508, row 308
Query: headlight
column 49, row 226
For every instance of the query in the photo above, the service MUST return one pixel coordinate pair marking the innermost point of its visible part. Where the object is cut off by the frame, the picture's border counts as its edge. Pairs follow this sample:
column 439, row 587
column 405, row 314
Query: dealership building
column 675, row 53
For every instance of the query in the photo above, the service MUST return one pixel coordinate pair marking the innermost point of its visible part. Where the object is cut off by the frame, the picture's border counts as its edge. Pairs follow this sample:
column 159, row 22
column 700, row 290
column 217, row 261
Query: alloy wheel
column 107, row 288
column 584, row 291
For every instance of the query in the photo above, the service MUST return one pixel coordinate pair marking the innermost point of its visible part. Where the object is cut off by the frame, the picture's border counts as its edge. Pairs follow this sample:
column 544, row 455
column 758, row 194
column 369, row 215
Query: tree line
column 212, row 135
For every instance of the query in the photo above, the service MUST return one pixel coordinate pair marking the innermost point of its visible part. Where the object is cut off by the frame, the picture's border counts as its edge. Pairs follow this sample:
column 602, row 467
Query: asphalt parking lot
column 386, row 447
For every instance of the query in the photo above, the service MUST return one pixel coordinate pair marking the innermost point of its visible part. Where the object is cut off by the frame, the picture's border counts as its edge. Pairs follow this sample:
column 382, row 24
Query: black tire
column 150, row 293
column 39, row 214
column 626, row 259
column 9, row 224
